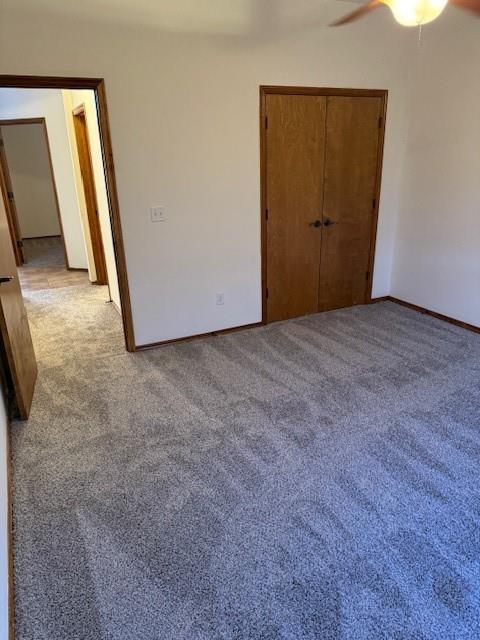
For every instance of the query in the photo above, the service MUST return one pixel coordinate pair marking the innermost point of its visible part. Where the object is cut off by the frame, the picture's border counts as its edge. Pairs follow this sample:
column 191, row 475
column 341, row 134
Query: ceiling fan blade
column 469, row 5
column 361, row 11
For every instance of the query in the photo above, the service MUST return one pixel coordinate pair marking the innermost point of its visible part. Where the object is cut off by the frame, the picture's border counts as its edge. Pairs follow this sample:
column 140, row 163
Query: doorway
column 65, row 296
column 321, row 158
column 32, row 203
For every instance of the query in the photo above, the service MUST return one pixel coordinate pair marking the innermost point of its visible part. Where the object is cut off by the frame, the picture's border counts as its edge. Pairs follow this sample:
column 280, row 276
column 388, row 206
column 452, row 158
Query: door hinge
column 19, row 243
column 374, row 203
column 10, row 195
column 266, row 214
column 266, row 293
column 266, row 122
column 380, row 122
column 367, row 275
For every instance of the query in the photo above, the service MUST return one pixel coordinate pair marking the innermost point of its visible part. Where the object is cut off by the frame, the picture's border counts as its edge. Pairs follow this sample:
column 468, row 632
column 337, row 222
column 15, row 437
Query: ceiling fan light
column 412, row 13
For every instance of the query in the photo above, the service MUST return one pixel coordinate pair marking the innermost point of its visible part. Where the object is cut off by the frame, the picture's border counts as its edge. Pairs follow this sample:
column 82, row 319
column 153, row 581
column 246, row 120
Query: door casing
column 97, row 85
column 89, row 188
column 10, row 207
column 315, row 91
column 43, row 123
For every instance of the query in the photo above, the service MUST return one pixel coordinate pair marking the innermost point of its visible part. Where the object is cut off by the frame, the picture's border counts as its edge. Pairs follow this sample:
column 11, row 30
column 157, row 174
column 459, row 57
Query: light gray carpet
column 43, row 252
column 313, row 479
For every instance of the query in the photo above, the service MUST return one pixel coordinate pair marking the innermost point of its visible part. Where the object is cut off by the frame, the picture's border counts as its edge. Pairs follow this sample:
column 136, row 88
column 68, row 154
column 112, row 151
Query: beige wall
column 182, row 89
column 29, row 165
column 183, row 105
column 437, row 258
column 80, row 194
column 3, row 519
column 87, row 98
column 48, row 103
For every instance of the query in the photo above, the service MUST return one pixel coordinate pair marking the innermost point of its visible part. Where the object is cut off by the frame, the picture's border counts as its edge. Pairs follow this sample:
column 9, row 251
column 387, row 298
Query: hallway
column 44, row 266
column 234, row 487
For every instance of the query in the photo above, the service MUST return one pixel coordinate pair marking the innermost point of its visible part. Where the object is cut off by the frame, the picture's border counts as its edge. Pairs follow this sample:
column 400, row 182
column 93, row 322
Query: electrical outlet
column 157, row 214
column 220, row 298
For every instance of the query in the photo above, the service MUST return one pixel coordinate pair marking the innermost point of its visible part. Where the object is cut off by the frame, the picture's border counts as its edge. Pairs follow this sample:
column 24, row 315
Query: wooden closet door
column 351, row 161
column 295, row 147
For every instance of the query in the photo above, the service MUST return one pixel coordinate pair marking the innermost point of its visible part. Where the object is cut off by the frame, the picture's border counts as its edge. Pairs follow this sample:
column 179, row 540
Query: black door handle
column 328, row 223
column 6, row 279
column 317, row 223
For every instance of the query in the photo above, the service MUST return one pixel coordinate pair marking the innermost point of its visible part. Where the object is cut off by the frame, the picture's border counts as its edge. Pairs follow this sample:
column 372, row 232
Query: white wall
column 182, row 90
column 184, row 121
column 4, row 505
column 48, row 103
column 80, row 193
column 437, row 259
column 87, row 98
column 29, row 168
column 3, row 521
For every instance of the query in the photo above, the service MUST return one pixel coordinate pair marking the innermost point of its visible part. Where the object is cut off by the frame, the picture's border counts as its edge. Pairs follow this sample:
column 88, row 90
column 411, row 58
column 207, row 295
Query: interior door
column 295, row 142
column 11, row 210
column 14, row 329
column 351, row 161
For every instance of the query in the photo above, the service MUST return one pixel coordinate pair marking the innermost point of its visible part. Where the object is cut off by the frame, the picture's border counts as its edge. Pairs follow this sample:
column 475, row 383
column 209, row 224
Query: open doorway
column 34, row 213
column 60, row 223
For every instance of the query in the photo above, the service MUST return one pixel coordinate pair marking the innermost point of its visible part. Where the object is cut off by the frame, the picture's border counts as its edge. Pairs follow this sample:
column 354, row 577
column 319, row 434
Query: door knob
column 328, row 222
column 6, row 279
column 316, row 223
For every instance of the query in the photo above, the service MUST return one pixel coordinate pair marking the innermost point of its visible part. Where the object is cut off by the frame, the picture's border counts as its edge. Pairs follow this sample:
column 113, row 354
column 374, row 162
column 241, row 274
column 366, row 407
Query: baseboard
column 198, row 336
column 77, row 269
column 414, row 307
column 116, row 307
column 40, row 237
column 428, row 312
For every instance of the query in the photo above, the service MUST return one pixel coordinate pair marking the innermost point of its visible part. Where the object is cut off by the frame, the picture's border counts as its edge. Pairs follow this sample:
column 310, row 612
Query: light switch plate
column 157, row 214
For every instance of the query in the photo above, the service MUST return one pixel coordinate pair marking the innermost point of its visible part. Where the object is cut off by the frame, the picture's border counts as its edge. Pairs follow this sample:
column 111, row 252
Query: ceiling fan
column 410, row 13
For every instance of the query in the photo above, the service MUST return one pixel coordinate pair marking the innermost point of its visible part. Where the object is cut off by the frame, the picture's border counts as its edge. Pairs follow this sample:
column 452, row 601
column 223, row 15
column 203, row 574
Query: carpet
column 43, row 252
column 312, row 479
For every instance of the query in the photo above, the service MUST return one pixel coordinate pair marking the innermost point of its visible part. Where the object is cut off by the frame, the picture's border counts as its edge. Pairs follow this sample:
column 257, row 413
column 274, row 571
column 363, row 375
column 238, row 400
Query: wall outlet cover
column 157, row 214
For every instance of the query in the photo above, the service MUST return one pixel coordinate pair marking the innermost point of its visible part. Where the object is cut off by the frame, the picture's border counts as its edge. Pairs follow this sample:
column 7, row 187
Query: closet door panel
column 351, row 160
column 295, row 150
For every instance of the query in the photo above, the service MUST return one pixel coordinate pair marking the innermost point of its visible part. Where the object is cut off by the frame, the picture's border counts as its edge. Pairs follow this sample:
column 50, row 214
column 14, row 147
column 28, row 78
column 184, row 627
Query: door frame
column 85, row 157
column 97, row 85
column 315, row 91
column 43, row 123
column 10, row 209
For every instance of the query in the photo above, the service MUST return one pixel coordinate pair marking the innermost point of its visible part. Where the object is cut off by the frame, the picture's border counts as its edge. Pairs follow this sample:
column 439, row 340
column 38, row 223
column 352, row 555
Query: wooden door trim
column 10, row 208
column 378, row 187
column 315, row 91
column 8, row 121
column 428, row 312
column 43, row 123
column 323, row 91
column 85, row 156
column 79, row 111
column 98, row 86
